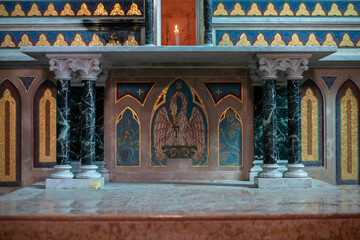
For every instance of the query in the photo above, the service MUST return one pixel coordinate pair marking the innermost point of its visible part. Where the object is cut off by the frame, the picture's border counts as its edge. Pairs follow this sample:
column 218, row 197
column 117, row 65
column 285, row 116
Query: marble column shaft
column 149, row 22
column 63, row 123
column 88, row 123
column 208, row 21
column 269, row 121
column 294, row 121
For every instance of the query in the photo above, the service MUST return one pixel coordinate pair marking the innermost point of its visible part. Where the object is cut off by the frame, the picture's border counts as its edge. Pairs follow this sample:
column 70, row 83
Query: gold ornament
column 51, row 11
column 84, row 10
column 254, row 10
column 346, row 41
column 302, row 11
column 278, row 41
column 117, row 10
column 113, row 40
column 95, row 41
column 67, row 10
column 260, row 40
column 225, row 40
column 134, row 10
column 43, row 41
column 295, row 40
column 270, row 10
column 312, row 41
column 329, row 40
column 34, row 11
column 350, row 10
column 25, row 41
column 7, row 42
column 3, row 12
column 17, row 11
column 238, row 10
column 78, row 41
column 100, row 10
column 131, row 41
column 318, row 11
column 60, row 41
column 334, row 10
column 286, row 10
column 243, row 41
column 220, row 10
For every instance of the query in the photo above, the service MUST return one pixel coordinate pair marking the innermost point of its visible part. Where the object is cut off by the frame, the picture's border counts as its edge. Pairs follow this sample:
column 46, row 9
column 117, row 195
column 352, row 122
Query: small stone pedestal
column 74, row 183
column 283, row 182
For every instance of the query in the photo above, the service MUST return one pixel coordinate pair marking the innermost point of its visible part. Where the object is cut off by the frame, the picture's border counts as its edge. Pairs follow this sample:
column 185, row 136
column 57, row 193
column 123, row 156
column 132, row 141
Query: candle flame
column 176, row 27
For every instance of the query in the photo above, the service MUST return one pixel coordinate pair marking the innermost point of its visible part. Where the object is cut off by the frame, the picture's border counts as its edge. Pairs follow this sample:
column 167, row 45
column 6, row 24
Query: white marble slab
column 74, row 183
column 283, row 182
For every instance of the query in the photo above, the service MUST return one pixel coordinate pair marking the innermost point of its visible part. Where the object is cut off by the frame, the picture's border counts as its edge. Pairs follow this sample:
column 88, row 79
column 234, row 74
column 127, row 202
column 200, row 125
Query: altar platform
column 182, row 210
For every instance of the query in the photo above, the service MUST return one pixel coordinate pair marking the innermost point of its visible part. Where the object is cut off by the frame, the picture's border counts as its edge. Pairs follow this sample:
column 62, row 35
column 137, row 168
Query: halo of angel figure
column 173, row 129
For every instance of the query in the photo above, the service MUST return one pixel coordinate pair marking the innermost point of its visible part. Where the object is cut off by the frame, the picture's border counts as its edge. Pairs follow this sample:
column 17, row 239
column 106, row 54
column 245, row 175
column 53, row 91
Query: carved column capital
column 295, row 67
column 61, row 68
column 88, row 66
column 269, row 65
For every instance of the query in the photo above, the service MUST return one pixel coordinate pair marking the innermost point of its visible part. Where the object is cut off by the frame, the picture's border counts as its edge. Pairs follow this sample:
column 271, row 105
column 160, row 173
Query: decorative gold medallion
column 286, row 10
column 334, row 10
column 7, row 42
column 134, row 10
column 346, row 41
column 243, row 41
column 78, row 41
column 318, row 11
column 67, row 11
column 100, row 10
column 254, row 10
column 260, row 40
column 18, row 11
column 117, row 10
column 278, row 41
column 295, row 40
column 3, row 12
column 95, row 40
column 220, row 10
column 34, row 11
column 131, row 41
column 237, row 10
column 84, row 11
column 226, row 40
column 312, row 41
column 302, row 10
column 43, row 41
column 60, row 41
column 25, row 41
column 350, row 10
column 329, row 40
column 270, row 10
column 51, row 11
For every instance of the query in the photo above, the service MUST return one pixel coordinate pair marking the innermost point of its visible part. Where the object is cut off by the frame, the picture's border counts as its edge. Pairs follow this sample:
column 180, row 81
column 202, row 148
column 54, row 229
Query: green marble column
column 208, row 22
column 294, row 121
column 149, row 22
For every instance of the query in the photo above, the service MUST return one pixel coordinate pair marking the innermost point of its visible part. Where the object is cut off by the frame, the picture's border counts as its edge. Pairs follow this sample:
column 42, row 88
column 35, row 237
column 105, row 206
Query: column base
column 295, row 171
column 89, row 183
column 255, row 169
column 283, row 182
column 103, row 170
column 75, row 167
column 282, row 165
column 62, row 172
column 269, row 171
column 88, row 171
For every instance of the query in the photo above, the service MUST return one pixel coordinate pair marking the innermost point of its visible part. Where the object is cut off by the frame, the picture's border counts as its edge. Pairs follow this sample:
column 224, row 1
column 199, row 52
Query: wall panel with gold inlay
column 10, row 135
column 347, row 134
column 45, row 125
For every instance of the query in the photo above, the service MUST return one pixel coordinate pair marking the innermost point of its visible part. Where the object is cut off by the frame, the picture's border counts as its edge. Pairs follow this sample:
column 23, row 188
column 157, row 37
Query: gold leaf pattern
column 67, row 11
column 237, row 10
column 95, row 41
column 18, row 11
column 43, row 41
column 78, row 41
column 131, row 41
column 25, row 41
column 350, row 10
column 286, row 10
column 220, row 10
column 295, row 40
column 60, row 41
column 7, row 42
column 3, row 12
column 329, row 40
column 117, row 10
column 51, row 11
column 302, row 10
column 254, row 10
column 113, row 40
column 243, row 41
column 346, row 41
column 134, row 10
column 270, row 10
column 318, row 11
column 100, row 10
column 260, row 40
column 334, row 10
column 34, row 11
column 312, row 41
column 278, row 41
column 225, row 40
column 84, row 11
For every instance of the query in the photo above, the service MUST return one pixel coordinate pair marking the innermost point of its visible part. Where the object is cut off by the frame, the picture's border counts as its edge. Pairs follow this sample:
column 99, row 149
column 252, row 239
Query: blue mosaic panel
column 179, row 127
column 222, row 90
column 137, row 90
column 329, row 80
column 27, row 81
column 230, row 139
column 128, row 139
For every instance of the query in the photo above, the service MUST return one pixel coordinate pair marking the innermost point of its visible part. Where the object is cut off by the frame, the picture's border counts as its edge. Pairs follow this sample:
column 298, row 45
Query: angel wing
column 161, row 133
column 198, row 133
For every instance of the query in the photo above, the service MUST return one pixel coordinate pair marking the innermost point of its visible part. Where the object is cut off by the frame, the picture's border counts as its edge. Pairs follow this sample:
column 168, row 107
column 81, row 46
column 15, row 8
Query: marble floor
column 195, row 209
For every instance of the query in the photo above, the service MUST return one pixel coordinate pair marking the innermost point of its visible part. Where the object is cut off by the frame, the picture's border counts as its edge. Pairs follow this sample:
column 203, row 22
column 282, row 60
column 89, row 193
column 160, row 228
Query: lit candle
column 177, row 35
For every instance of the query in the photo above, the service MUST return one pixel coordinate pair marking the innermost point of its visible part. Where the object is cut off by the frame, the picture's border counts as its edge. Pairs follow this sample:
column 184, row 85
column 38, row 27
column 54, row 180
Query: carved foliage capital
column 268, row 67
column 89, row 69
column 295, row 67
column 61, row 68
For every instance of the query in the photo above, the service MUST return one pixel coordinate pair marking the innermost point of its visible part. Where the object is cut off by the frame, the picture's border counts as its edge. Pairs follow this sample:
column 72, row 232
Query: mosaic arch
column 312, row 130
column 10, row 135
column 230, row 139
column 45, row 125
column 179, row 126
column 347, row 134
column 128, row 139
